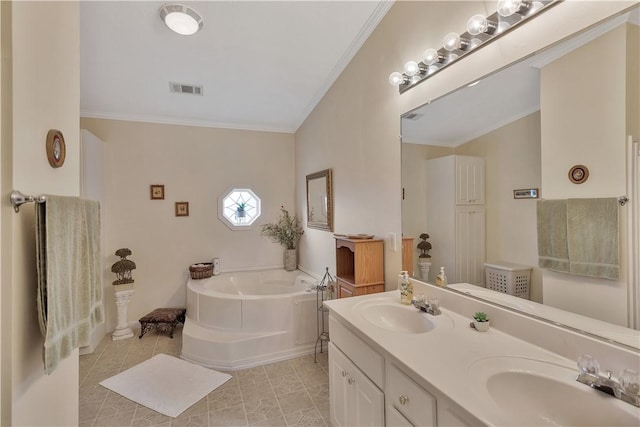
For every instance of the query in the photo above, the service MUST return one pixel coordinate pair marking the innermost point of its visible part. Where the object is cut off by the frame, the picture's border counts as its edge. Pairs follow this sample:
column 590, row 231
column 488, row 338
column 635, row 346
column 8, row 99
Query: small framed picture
column 157, row 192
column 526, row 193
column 182, row 208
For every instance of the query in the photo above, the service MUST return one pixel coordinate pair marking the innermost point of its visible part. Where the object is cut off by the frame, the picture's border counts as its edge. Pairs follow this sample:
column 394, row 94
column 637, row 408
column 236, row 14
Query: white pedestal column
column 123, row 297
column 425, row 266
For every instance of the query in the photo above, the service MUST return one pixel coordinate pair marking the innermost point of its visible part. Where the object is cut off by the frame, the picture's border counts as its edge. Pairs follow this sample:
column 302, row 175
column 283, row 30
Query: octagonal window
column 239, row 208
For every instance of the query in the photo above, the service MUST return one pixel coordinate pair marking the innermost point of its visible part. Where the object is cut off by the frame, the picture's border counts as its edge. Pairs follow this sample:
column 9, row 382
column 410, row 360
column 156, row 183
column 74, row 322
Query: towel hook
column 18, row 199
column 623, row 200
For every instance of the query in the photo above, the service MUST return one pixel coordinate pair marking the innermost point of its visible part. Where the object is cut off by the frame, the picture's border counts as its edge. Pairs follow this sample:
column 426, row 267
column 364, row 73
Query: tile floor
column 289, row 393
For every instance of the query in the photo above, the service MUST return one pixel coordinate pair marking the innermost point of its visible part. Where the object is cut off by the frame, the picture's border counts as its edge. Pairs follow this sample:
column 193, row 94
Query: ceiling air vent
column 412, row 116
column 185, row 88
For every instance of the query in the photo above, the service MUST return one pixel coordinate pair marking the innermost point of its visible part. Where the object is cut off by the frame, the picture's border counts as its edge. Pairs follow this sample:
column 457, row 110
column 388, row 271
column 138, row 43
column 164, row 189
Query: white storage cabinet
column 456, row 217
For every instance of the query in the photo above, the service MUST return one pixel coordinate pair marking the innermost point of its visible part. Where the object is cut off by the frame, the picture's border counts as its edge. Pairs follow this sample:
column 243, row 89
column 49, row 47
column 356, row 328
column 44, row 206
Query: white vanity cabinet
column 355, row 399
column 414, row 403
column 356, row 379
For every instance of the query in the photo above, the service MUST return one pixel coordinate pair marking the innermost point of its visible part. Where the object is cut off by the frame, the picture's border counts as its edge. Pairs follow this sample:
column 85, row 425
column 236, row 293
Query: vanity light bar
column 481, row 31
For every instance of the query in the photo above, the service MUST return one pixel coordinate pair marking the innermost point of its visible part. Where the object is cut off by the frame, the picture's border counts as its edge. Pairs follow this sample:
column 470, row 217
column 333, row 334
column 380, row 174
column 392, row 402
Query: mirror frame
column 327, row 175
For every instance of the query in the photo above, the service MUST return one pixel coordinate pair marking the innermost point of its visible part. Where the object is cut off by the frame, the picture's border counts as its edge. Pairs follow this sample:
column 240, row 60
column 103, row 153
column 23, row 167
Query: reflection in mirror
column 320, row 200
column 529, row 124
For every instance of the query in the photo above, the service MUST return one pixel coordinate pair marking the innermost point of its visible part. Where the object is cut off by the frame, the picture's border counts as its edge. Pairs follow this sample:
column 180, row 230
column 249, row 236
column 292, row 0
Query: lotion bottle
column 406, row 289
column 441, row 278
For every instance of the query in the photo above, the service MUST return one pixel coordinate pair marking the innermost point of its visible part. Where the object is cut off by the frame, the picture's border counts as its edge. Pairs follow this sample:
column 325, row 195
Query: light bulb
column 508, row 7
column 477, row 24
column 415, row 79
column 451, row 41
column 474, row 43
column 535, row 6
column 432, row 69
column 411, row 68
column 396, row 79
column 430, row 56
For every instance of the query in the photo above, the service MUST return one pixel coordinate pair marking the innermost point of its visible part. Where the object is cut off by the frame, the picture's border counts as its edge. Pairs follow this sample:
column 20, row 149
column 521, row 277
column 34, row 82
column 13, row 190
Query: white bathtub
column 243, row 319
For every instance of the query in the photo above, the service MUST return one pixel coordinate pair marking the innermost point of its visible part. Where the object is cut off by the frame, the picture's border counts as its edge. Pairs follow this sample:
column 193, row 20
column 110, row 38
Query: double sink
column 526, row 391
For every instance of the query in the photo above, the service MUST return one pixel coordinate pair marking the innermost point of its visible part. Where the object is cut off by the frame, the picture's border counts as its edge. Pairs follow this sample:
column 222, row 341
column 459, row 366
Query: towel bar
column 18, row 199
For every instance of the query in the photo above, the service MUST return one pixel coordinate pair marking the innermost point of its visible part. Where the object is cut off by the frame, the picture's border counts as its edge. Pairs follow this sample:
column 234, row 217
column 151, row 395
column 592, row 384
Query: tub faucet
column 626, row 388
column 431, row 307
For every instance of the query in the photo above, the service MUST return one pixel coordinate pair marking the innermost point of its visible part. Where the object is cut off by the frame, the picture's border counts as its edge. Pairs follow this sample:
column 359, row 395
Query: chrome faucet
column 626, row 388
column 431, row 307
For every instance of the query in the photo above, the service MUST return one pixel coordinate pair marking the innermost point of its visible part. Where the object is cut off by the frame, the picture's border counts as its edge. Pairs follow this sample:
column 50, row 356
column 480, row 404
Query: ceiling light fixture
column 181, row 19
column 480, row 31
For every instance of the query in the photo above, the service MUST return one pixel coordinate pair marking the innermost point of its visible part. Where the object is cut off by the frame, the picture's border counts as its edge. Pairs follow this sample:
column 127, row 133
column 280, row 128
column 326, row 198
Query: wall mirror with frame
column 530, row 123
column 320, row 200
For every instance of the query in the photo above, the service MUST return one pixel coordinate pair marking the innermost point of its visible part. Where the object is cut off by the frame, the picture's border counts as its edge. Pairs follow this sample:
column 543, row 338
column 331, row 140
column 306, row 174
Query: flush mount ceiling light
column 181, row 19
column 480, row 31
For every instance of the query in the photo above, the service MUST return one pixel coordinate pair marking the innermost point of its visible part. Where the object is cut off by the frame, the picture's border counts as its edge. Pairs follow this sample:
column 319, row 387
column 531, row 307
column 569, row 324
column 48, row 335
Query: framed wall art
column 182, row 208
column 157, row 192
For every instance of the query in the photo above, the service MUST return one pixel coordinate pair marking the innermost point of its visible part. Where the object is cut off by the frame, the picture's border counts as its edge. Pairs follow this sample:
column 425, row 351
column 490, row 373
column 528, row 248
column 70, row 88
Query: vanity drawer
column 367, row 359
column 411, row 400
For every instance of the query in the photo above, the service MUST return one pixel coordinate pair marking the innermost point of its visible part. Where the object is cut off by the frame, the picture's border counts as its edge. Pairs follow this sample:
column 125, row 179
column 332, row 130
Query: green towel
column 69, row 295
column 592, row 237
column 553, row 253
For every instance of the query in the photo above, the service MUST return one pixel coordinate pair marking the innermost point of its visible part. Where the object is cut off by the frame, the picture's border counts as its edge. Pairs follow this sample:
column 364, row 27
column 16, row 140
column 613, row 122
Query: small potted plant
column 241, row 209
column 481, row 321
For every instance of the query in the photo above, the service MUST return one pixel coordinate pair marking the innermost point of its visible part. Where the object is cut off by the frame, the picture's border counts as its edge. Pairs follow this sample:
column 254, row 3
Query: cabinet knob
column 403, row 399
column 344, row 373
column 351, row 380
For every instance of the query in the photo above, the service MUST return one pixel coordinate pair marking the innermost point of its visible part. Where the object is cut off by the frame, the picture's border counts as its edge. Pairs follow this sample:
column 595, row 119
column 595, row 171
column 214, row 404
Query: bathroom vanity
column 391, row 364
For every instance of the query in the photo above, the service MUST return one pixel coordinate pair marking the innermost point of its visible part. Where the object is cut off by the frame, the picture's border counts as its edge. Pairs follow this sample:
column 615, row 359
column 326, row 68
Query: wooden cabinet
column 354, row 399
column 359, row 266
column 407, row 255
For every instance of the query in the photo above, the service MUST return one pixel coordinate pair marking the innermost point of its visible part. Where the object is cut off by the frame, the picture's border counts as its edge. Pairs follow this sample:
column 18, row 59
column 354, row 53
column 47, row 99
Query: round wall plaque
column 56, row 149
column 578, row 174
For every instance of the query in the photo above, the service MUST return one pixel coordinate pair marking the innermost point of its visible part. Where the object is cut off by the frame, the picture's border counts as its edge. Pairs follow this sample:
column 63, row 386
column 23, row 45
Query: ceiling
column 496, row 100
column 263, row 65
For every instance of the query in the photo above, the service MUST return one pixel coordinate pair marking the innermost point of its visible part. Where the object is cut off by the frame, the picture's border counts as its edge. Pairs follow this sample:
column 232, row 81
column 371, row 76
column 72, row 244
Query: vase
column 481, row 326
column 290, row 260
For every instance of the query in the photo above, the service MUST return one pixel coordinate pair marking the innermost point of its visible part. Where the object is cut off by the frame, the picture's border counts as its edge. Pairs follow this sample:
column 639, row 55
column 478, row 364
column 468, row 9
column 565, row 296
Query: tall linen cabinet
column 456, row 217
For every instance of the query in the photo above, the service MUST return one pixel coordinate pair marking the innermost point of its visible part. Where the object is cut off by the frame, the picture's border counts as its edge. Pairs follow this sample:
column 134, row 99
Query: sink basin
column 533, row 392
column 396, row 317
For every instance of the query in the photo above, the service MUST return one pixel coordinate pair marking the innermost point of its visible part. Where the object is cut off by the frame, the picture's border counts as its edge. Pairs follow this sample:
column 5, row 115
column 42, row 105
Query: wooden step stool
column 163, row 320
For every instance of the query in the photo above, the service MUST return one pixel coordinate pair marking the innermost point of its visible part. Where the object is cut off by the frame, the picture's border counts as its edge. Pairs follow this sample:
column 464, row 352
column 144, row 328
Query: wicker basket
column 201, row 270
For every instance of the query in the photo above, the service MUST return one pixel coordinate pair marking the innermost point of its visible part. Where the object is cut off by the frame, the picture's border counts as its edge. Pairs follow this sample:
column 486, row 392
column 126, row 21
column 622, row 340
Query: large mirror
column 528, row 124
column 320, row 200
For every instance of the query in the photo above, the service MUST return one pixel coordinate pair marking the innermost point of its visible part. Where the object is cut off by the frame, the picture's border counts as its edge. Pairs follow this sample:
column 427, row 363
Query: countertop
column 443, row 358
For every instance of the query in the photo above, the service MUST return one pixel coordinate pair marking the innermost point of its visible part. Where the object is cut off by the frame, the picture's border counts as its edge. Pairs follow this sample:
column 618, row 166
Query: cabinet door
column 469, row 180
column 368, row 399
column 338, row 390
column 354, row 399
column 395, row 419
column 470, row 242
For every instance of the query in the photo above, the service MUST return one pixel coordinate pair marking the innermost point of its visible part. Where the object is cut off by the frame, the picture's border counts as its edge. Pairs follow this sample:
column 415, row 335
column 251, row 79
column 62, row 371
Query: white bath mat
column 166, row 384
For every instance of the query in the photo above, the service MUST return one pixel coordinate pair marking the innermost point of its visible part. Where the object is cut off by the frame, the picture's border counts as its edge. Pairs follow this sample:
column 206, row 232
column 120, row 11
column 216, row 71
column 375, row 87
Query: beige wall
column 196, row 165
column 588, row 128
column 46, row 93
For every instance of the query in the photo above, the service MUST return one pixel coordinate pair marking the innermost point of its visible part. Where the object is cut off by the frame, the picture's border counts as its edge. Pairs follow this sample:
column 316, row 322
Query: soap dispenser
column 406, row 289
column 441, row 278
